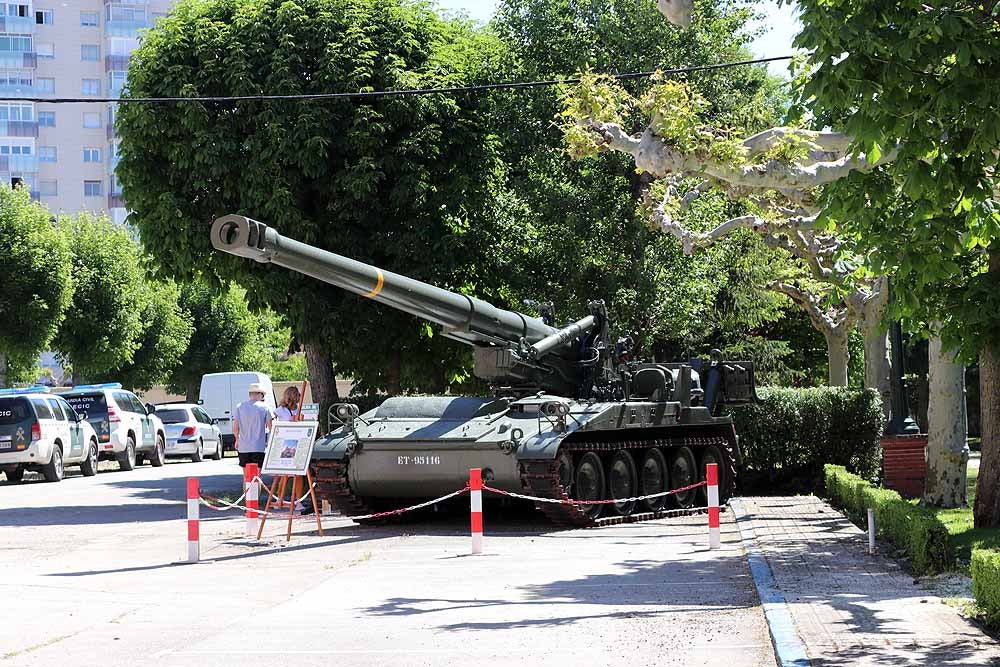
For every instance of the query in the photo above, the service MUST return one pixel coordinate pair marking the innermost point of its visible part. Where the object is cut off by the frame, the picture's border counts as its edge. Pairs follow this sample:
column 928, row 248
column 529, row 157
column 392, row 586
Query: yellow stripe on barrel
column 378, row 285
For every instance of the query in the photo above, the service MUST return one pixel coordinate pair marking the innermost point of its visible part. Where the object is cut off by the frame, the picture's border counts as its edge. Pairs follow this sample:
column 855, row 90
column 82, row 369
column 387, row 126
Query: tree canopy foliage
column 35, row 281
column 402, row 183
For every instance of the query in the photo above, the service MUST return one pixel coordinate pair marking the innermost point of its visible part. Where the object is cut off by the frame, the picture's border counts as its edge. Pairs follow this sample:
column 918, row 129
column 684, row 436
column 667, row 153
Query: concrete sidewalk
column 850, row 608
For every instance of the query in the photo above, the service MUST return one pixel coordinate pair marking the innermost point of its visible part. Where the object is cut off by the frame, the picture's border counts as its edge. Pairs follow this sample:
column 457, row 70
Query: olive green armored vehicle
column 570, row 416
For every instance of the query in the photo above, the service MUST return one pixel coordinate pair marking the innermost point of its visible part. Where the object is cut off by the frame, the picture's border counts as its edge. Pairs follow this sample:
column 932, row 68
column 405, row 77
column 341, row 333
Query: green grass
column 959, row 524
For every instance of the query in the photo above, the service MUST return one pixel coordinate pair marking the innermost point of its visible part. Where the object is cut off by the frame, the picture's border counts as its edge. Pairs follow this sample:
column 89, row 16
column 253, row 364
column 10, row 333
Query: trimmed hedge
column 986, row 583
column 789, row 434
column 911, row 528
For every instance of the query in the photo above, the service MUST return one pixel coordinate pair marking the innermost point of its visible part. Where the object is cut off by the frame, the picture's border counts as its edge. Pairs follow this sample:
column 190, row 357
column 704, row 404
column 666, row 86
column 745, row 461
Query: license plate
column 5, row 444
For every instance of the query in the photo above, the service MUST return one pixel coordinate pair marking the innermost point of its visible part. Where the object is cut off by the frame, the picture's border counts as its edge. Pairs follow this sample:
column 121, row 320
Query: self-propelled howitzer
column 570, row 416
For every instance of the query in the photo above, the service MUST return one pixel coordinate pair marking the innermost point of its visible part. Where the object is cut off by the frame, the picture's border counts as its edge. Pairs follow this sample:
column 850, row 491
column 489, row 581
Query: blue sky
column 777, row 41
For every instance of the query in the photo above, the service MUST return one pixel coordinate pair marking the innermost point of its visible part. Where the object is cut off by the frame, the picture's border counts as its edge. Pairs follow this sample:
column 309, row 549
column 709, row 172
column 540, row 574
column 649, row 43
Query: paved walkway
column 850, row 608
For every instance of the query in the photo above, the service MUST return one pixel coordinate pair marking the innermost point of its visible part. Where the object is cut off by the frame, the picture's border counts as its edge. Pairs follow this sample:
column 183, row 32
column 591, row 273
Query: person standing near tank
column 289, row 404
column 251, row 423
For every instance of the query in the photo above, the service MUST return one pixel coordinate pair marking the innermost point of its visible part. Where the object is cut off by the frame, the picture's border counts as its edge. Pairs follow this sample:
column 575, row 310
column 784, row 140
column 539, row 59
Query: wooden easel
column 280, row 482
column 277, row 489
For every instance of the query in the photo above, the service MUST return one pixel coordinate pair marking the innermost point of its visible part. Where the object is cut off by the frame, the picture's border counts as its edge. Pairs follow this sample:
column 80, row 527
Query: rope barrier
column 610, row 501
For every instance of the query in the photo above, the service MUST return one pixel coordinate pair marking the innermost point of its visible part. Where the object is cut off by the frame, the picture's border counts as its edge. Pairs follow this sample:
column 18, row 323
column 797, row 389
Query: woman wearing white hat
column 250, row 425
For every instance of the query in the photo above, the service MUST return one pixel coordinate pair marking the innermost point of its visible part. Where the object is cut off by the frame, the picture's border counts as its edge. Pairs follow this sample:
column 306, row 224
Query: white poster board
column 289, row 448
column 310, row 412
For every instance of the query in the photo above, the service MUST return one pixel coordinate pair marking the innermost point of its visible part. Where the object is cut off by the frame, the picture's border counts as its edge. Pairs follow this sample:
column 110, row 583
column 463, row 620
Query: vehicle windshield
column 14, row 410
column 175, row 416
column 92, row 407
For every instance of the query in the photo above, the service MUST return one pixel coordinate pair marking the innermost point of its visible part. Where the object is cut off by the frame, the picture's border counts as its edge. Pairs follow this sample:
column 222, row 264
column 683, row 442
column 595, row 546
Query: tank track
column 333, row 485
column 541, row 478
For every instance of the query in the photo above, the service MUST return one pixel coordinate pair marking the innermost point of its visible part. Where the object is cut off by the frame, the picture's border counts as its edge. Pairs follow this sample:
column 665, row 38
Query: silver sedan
column 190, row 431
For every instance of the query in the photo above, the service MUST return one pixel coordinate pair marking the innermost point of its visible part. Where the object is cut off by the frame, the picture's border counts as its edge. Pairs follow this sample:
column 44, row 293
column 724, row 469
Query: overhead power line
column 381, row 93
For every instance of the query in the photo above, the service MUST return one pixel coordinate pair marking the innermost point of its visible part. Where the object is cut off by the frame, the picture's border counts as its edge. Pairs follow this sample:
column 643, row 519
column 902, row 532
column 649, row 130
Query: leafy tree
column 226, row 336
column 400, row 182
column 35, row 265
column 166, row 333
column 914, row 89
column 588, row 235
column 103, row 325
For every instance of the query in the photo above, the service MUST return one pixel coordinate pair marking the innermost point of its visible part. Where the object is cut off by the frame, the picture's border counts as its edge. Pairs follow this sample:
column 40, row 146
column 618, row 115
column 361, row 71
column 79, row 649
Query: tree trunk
column 393, row 384
column 987, row 508
column 838, row 355
column 322, row 379
column 947, row 452
column 877, row 365
column 3, row 370
column 192, row 390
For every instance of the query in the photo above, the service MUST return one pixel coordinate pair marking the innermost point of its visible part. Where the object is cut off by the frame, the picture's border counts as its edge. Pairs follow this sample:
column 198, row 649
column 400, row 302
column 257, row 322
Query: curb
column 788, row 648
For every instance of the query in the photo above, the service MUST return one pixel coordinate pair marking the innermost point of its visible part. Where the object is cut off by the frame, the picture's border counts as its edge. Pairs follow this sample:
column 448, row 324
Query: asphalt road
column 92, row 576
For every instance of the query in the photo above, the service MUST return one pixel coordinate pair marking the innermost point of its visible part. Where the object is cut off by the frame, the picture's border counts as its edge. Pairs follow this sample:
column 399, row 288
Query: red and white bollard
column 712, row 479
column 476, row 503
column 194, row 551
column 250, row 482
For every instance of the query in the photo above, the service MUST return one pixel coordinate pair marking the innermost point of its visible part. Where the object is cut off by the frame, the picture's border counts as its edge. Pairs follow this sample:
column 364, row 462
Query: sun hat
column 256, row 388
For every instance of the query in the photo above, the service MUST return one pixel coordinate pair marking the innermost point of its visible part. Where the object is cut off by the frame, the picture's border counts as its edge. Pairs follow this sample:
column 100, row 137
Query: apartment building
column 66, row 153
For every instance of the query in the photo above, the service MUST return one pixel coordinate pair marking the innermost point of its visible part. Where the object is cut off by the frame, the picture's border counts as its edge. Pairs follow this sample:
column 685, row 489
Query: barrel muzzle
column 239, row 235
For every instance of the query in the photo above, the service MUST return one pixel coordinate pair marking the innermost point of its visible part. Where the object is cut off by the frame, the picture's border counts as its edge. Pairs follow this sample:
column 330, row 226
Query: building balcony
column 112, row 164
column 19, row 91
column 126, row 28
column 115, row 200
column 19, row 164
column 18, row 128
column 19, row 59
column 115, row 63
column 111, row 132
column 22, row 25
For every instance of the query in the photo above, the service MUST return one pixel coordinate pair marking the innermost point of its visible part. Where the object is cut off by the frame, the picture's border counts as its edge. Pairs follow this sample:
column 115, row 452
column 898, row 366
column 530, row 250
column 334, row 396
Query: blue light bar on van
column 97, row 387
column 37, row 389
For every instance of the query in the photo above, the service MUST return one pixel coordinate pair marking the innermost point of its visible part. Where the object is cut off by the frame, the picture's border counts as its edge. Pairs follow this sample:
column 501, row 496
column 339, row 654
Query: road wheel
column 127, row 460
column 159, row 453
column 589, row 483
column 14, row 476
column 217, row 456
column 54, row 469
column 566, row 472
column 89, row 465
column 199, row 453
column 622, row 481
column 655, row 479
column 713, row 454
column 683, row 473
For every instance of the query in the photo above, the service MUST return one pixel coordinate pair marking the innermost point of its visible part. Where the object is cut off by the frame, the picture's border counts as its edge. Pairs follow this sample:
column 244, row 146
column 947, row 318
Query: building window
column 90, row 18
column 92, row 188
column 91, row 87
column 47, row 154
column 48, row 188
column 118, row 11
column 45, row 50
column 91, row 120
column 91, row 154
column 116, row 81
column 14, row 9
column 43, row 16
column 90, row 52
column 15, row 78
column 46, row 85
column 17, row 149
column 46, row 119
column 17, row 43
column 15, row 111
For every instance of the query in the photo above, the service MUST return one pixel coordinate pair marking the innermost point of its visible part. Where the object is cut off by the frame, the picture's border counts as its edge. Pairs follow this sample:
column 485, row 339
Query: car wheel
column 159, row 453
column 14, row 476
column 127, row 460
column 54, row 469
column 217, row 456
column 199, row 452
column 89, row 465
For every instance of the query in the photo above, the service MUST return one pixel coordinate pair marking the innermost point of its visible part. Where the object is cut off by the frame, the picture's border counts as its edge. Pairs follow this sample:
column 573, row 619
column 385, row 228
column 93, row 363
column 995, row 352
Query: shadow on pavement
column 668, row 586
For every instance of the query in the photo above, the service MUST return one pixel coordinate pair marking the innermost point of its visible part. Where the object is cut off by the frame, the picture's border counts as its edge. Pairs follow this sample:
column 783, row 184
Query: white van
column 222, row 392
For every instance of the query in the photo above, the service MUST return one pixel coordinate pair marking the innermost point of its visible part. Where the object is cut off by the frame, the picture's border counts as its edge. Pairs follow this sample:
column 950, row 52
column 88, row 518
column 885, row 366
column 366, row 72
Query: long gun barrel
column 464, row 318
